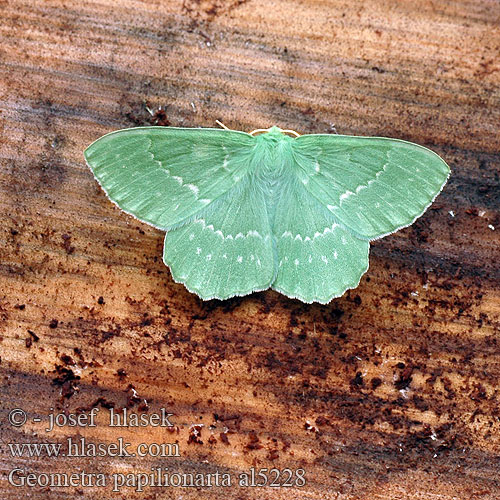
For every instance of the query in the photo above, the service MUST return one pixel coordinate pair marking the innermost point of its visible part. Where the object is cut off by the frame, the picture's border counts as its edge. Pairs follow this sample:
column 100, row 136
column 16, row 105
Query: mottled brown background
column 390, row 392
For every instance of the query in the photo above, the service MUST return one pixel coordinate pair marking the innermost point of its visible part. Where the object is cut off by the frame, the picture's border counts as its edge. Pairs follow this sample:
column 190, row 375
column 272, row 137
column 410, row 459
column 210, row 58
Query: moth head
column 273, row 133
column 274, row 130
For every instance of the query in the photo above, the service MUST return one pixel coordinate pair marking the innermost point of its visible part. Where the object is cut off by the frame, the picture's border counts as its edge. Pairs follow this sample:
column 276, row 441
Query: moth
column 245, row 212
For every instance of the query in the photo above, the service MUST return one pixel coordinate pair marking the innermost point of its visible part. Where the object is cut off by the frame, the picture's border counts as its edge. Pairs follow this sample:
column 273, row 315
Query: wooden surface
column 390, row 392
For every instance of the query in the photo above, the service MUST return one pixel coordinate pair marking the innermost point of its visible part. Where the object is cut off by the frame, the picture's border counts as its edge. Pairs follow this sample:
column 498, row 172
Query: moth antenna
column 296, row 134
column 148, row 109
column 258, row 131
column 222, row 125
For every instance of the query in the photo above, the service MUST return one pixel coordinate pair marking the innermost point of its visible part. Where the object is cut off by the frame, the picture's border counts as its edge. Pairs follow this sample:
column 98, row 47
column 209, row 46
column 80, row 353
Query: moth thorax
column 274, row 151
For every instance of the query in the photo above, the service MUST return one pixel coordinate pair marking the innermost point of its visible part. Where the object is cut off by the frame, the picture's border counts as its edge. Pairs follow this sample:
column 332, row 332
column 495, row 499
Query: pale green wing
column 373, row 186
column 317, row 258
column 227, row 249
column 162, row 175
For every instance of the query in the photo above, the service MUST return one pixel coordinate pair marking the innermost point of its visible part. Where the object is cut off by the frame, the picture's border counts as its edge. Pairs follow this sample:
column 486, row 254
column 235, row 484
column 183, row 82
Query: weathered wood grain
column 389, row 392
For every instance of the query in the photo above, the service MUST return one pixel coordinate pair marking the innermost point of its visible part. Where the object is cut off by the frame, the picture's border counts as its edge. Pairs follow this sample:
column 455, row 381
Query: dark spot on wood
column 357, row 381
column 34, row 336
column 404, row 377
column 66, row 380
column 67, row 360
column 253, row 442
column 67, row 244
column 195, row 435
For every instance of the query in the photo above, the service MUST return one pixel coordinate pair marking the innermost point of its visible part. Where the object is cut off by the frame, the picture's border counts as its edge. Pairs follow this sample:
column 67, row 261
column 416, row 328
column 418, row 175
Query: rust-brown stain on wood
column 389, row 392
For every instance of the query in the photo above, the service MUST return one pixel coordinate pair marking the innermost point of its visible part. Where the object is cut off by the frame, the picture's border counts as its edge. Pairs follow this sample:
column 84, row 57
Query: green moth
column 248, row 211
